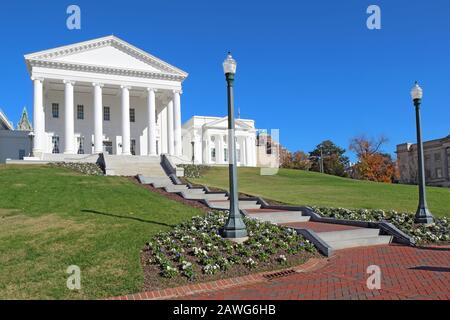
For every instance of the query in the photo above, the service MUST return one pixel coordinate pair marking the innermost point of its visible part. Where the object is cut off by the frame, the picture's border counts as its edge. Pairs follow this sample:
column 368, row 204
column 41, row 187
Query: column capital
column 37, row 79
column 125, row 87
column 179, row 91
column 69, row 82
column 97, row 84
column 152, row 89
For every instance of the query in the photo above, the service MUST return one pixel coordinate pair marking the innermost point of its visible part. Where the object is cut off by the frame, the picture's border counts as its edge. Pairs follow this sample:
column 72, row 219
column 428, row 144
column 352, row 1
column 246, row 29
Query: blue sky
column 310, row 68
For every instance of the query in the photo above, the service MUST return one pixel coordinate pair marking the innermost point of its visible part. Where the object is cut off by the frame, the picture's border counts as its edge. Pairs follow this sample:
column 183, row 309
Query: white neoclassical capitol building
column 107, row 96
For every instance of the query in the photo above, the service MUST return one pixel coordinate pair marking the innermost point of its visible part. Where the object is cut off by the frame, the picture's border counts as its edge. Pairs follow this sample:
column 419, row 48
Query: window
column 132, row 115
column 80, row 112
column 108, row 147
column 213, row 154
column 133, row 147
column 80, row 144
column 21, row 154
column 55, row 143
column 238, row 155
column 225, row 154
column 437, row 157
column 106, row 114
column 438, row 173
column 55, row 110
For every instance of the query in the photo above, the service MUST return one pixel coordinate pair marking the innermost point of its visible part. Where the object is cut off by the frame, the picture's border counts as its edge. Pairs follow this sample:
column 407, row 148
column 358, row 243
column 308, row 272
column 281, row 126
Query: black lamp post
column 235, row 226
column 423, row 215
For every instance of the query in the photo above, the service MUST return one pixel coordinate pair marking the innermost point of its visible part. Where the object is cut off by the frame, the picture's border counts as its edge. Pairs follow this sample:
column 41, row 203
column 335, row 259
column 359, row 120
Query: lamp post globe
column 423, row 214
column 234, row 228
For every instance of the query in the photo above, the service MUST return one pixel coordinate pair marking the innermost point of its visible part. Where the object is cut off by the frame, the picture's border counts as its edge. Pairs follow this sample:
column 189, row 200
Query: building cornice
column 103, row 70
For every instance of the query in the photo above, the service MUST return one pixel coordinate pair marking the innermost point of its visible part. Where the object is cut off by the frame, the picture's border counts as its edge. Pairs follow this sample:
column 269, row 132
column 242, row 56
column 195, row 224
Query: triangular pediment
column 223, row 123
column 108, row 52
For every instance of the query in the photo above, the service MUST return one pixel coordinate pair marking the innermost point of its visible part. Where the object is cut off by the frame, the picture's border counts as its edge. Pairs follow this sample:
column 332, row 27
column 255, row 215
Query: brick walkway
column 407, row 273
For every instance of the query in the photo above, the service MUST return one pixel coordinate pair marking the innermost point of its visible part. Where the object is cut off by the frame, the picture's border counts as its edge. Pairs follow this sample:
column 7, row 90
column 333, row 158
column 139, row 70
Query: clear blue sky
column 310, row 68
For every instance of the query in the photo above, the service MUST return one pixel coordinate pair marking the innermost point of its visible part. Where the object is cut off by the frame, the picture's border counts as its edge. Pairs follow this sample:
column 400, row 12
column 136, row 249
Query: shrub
column 192, row 171
column 91, row 169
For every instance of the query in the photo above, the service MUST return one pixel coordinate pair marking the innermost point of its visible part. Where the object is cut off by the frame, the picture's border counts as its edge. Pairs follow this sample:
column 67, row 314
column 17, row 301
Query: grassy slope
column 53, row 218
column 310, row 188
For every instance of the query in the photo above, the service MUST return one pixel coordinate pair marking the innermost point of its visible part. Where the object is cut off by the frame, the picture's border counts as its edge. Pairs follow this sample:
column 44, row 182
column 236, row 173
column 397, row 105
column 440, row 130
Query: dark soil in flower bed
column 193, row 252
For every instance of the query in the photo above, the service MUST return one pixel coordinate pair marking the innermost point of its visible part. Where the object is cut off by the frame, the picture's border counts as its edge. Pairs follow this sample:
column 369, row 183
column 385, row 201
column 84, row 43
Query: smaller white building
column 205, row 141
column 14, row 144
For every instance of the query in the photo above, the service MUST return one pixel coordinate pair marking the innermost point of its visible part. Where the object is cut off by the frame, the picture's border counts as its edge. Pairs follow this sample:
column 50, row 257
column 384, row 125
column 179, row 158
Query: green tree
column 334, row 160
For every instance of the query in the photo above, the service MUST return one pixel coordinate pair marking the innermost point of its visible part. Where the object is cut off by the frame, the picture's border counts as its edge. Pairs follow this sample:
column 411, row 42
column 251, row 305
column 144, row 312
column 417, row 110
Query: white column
column 151, row 122
column 248, row 152
column 38, row 117
column 170, row 133
column 69, row 131
column 98, row 118
column 125, row 120
column 177, row 123
column 219, row 149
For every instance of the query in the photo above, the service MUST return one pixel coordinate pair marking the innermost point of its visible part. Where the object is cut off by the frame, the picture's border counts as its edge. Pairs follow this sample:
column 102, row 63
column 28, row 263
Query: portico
column 105, row 95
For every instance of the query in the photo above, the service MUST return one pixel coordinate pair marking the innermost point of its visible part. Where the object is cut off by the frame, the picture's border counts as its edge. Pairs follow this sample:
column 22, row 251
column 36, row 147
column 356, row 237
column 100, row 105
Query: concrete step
column 150, row 180
column 208, row 196
column 132, row 165
column 243, row 204
column 280, row 217
column 348, row 234
column 360, row 242
column 176, row 188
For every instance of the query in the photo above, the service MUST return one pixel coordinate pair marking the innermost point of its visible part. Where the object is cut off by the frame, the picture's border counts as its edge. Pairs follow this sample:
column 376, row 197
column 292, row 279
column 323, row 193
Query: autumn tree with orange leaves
column 373, row 165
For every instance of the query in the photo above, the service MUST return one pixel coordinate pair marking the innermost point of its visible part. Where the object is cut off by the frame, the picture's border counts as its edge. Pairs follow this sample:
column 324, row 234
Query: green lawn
column 53, row 218
column 310, row 188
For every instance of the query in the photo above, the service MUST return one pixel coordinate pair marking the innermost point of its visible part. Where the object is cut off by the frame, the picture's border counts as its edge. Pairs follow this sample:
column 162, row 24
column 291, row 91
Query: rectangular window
column 133, row 147
column 55, row 110
column 55, row 144
column 225, row 154
column 132, row 115
column 213, row 154
column 80, row 112
column 106, row 114
column 80, row 144
column 238, row 155
column 438, row 173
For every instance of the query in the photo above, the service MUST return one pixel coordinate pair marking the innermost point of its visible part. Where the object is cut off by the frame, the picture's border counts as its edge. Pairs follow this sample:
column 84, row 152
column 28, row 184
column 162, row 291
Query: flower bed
column 423, row 234
column 192, row 171
column 194, row 251
column 91, row 169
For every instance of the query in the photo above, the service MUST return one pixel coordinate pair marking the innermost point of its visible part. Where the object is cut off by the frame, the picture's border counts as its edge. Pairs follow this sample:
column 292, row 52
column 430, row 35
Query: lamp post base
column 233, row 233
column 423, row 216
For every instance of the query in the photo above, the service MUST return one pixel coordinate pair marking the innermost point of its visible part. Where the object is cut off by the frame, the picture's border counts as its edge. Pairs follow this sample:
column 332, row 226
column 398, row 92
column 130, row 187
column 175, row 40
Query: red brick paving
column 320, row 226
column 407, row 273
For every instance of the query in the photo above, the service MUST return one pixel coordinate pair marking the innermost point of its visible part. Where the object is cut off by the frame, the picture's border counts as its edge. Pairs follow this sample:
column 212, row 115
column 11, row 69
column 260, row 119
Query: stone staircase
column 327, row 235
column 133, row 165
column 215, row 200
column 335, row 236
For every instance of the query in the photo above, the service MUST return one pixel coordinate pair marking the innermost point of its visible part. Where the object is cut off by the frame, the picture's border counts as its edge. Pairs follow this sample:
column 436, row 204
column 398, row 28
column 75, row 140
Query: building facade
column 105, row 96
column 205, row 141
column 436, row 158
column 14, row 144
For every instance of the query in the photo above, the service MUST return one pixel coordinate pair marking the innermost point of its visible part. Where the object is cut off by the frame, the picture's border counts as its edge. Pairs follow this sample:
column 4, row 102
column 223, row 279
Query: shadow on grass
column 128, row 218
column 435, row 269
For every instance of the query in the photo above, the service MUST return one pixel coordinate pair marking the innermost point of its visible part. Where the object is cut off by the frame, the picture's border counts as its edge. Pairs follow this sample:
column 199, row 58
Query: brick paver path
column 407, row 273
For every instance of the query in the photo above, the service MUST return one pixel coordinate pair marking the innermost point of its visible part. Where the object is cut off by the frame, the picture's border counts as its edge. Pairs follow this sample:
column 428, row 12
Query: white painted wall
column 11, row 142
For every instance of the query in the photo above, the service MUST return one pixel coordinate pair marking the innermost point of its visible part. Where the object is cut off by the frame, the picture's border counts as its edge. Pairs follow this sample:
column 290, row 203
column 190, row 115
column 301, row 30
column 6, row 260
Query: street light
column 423, row 215
column 235, row 226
